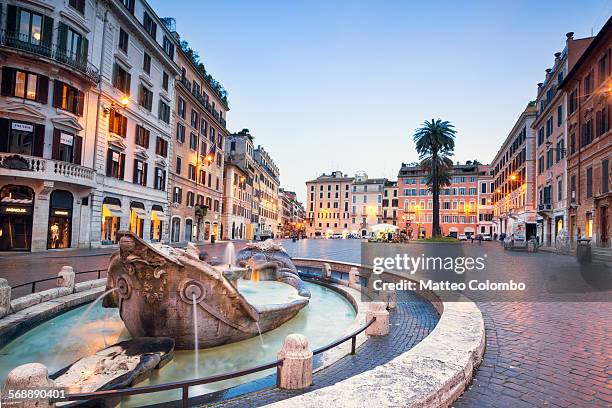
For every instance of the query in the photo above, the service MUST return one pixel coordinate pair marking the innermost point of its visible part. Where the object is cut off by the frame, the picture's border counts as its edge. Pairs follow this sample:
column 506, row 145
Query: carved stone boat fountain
column 156, row 289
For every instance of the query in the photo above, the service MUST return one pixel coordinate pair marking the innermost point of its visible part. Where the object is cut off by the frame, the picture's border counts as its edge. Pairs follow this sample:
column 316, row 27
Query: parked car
column 487, row 237
column 462, row 237
column 336, row 236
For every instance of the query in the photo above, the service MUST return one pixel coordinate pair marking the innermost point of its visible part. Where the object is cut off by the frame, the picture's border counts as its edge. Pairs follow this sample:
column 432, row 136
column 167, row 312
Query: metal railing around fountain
column 32, row 284
column 186, row 384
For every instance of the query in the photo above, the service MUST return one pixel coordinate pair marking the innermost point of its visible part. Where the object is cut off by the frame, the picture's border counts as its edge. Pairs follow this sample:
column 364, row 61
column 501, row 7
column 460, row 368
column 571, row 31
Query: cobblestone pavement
column 411, row 322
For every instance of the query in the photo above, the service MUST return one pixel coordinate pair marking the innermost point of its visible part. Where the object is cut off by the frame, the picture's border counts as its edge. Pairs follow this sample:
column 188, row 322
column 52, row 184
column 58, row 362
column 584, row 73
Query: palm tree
column 435, row 142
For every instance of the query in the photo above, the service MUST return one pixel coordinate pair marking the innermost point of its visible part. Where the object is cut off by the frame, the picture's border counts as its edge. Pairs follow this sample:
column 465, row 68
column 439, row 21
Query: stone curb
column 432, row 374
column 15, row 324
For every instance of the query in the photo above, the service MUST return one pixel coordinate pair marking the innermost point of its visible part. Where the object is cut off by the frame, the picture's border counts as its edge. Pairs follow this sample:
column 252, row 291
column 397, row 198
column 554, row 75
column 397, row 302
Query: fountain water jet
column 229, row 256
column 196, row 349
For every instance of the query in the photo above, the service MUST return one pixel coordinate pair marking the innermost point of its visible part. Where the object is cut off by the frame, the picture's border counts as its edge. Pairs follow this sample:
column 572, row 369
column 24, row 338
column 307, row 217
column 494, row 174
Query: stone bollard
column 65, row 278
column 327, row 270
column 33, row 376
column 5, row 297
column 354, row 278
column 296, row 371
column 381, row 326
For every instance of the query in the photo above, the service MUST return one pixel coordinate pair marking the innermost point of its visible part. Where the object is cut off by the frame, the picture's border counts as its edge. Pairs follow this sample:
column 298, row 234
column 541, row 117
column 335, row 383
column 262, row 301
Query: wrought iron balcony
column 51, row 51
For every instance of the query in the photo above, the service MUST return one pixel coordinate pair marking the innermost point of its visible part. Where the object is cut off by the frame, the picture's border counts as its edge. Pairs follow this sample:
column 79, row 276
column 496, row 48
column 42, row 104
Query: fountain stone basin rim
column 156, row 292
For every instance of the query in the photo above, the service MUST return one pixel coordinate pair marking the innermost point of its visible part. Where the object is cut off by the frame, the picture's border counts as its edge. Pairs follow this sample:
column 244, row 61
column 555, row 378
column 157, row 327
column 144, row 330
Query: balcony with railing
column 202, row 100
column 17, row 165
column 50, row 51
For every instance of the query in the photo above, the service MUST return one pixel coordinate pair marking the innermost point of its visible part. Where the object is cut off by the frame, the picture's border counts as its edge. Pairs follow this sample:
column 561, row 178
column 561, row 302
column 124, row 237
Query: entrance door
column 603, row 226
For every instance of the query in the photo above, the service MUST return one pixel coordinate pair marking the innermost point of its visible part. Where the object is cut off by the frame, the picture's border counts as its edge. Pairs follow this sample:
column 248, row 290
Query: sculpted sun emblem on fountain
column 146, row 266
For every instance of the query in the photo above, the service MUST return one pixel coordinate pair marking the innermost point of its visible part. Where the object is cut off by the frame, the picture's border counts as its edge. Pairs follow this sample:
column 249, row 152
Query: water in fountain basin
column 41, row 344
column 196, row 351
column 229, row 256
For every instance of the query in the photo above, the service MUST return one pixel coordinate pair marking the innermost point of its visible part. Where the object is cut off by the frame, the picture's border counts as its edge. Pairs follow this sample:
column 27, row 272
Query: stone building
column 589, row 102
column 458, row 202
column 48, row 99
column 240, row 151
column 328, row 198
column 133, row 135
column 366, row 203
column 197, row 165
column 550, row 127
column 266, row 185
column 390, row 203
column 514, row 176
column 237, row 200
column 291, row 213
column 485, row 201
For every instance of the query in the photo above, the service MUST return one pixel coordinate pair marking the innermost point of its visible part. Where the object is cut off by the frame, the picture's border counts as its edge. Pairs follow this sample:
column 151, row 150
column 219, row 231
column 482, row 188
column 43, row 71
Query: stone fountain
column 157, row 288
column 268, row 260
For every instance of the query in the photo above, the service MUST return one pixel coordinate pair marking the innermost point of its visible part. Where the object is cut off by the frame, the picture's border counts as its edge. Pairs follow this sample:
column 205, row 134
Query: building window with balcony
column 140, row 172
column 25, row 85
column 164, row 112
column 145, row 97
column 78, row 5
column 124, row 39
column 115, row 164
column 161, row 147
column 587, row 133
column 121, row 79
column 149, row 25
column 68, row 98
column 142, row 137
column 21, row 137
column 160, row 179
column 32, row 28
column 66, row 147
column 117, row 123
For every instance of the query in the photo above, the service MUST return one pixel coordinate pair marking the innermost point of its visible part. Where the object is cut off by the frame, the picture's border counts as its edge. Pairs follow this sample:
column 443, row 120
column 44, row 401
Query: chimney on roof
column 570, row 35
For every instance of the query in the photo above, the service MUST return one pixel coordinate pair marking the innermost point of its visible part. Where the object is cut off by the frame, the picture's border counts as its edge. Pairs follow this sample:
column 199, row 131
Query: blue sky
column 343, row 84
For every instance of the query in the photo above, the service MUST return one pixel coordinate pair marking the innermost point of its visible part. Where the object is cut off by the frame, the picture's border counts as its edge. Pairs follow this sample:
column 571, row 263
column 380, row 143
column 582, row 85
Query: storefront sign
column 61, row 213
column 115, row 157
column 24, row 127
column 15, row 210
column 66, row 139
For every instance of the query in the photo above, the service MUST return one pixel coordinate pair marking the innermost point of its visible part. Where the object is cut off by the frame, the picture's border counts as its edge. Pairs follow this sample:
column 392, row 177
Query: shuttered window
column 24, row 84
column 68, row 98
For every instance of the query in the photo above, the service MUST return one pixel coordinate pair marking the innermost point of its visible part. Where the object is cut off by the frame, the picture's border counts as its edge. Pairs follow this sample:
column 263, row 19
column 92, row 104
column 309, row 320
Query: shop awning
column 139, row 212
column 158, row 215
column 383, row 228
column 469, row 229
column 111, row 210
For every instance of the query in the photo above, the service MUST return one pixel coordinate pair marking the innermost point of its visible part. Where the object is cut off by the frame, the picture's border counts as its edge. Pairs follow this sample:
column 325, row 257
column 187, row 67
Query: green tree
column 435, row 142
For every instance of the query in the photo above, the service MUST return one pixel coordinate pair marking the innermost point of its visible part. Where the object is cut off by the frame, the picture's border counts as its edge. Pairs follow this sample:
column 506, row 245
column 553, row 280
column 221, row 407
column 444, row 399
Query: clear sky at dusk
column 343, row 84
